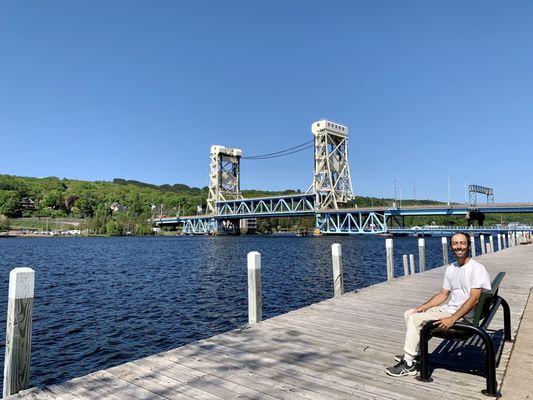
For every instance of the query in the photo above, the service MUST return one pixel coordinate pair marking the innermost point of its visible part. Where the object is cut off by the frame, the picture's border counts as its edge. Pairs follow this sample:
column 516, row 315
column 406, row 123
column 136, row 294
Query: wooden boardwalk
column 336, row 349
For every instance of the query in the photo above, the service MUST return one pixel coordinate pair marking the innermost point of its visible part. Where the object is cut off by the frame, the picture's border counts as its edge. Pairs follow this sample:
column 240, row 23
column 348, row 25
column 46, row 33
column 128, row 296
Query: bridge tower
column 224, row 176
column 331, row 182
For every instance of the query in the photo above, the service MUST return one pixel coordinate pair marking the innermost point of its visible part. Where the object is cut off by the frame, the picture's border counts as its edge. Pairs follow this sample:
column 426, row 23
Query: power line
column 281, row 153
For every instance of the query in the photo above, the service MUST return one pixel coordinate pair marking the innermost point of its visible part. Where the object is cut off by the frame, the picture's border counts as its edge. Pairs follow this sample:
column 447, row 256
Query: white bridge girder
column 351, row 223
column 199, row 226
column 289, row 205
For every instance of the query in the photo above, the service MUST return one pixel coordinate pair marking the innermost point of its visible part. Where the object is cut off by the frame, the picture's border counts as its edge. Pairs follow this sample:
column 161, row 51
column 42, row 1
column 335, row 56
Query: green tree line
column 126, row 206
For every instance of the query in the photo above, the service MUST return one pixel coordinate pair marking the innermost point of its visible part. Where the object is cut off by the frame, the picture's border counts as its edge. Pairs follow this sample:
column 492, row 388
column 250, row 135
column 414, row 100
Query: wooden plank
column 236, row 374
column 98, row 385
column 177, row 387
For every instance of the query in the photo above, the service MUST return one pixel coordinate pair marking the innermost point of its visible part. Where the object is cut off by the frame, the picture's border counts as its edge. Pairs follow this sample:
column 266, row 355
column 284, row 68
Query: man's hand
column 420, row 309
column 445, row 323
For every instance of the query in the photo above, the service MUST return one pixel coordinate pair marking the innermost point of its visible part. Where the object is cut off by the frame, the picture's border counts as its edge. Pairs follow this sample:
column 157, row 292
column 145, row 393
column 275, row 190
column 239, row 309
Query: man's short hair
column 465, row 234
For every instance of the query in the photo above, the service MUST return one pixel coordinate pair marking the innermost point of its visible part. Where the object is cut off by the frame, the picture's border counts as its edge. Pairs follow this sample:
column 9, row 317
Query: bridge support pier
column 475, row 215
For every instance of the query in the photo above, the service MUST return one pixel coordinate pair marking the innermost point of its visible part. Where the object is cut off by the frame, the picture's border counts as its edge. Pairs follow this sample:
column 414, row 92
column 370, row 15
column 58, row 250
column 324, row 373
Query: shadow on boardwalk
column 466, row 356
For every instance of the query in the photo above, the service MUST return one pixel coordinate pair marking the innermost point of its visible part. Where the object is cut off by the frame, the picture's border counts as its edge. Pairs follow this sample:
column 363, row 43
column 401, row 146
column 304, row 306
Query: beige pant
column 414, row 322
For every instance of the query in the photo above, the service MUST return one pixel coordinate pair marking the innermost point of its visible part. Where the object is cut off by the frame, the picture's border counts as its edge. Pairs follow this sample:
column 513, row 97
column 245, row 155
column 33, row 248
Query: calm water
column 100, row 302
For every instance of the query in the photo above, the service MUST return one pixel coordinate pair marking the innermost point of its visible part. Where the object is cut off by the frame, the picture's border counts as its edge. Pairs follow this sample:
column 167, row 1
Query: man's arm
column 473, row 299
column 436, row 300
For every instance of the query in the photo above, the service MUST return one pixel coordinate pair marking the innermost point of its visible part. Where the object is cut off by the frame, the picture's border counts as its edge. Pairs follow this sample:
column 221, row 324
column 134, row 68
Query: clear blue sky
column 141, row 89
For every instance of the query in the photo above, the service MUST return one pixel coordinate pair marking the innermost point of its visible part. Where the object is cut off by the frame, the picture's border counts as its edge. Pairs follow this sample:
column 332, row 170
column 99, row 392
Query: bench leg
column 425, row 335
column 490, row 364
column 506, row 319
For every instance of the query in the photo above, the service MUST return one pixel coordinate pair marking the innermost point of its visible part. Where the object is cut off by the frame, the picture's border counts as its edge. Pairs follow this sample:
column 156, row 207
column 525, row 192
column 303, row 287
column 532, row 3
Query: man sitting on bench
column 463, row 282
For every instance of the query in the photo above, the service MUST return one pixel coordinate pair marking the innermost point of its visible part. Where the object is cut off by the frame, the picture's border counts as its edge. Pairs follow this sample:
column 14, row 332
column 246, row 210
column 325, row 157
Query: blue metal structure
column 450, row 230
column 277, row 206
column 351, row 222
column 370, row 220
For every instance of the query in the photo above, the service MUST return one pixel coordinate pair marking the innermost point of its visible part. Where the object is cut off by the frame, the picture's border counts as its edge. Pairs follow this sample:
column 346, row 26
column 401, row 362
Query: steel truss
column 331, row 182
column 224, row 176
column 199, row 226
column 269, row 206
column 472, row 197
column 362, row 223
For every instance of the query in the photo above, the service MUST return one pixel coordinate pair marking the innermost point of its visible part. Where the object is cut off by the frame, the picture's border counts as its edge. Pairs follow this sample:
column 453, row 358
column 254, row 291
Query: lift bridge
column 329, row 199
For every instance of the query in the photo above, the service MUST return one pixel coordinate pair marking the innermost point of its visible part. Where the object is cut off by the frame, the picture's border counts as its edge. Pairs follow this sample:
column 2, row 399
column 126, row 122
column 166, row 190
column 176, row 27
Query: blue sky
column 141, row 89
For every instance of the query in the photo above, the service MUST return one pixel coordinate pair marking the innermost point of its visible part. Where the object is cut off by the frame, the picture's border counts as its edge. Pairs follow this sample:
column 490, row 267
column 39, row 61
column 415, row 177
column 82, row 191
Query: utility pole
column 449, row 193
column 395, row 197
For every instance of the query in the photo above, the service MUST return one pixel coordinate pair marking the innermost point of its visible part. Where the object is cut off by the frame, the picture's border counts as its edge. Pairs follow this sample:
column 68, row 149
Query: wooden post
column 499, row 242
column 412, row 263
column 504, row 241
column 338, row 282
column 491, row 243
column 390, row 259
column 482, row 243
column 445, row 258
column 405, row 265
column 421, row 255
column 473, row 245
column 254, row 287
column 18, row 334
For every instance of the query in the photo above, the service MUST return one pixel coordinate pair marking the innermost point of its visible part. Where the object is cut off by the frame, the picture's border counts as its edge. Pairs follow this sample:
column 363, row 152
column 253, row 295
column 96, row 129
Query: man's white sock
column 408, row 359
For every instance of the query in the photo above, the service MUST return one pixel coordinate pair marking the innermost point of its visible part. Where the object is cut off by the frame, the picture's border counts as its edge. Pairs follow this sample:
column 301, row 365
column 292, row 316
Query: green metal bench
column 475, row 323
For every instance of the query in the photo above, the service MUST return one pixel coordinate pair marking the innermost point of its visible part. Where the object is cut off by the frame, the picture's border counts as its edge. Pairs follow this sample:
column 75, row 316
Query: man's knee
column 408, row 313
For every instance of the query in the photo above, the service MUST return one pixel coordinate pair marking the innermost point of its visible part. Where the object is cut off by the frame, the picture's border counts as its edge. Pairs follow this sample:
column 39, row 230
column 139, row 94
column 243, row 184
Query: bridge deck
column 336, row 349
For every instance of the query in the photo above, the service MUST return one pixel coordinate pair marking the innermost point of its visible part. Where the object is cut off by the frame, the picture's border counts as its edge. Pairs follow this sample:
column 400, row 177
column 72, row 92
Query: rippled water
column 100, row 302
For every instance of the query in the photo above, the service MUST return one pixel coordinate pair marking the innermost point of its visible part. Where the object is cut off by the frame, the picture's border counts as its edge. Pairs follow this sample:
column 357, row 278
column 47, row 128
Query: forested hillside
column 106, row 207
column 125, row 206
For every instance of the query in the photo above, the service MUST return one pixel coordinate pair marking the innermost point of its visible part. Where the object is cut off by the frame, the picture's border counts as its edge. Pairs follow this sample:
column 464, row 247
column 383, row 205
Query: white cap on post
column 254, row 260
column 388, row 243
column 444, row 240
column 421, row 242
column 21, row 283
column 336, row 250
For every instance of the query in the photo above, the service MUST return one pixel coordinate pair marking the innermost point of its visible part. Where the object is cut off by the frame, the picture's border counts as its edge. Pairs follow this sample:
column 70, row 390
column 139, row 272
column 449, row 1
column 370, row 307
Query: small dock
column 335, row 349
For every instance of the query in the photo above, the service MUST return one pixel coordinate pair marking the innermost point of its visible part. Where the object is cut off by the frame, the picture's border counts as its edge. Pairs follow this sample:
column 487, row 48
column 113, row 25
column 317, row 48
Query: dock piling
column 499, row 242
column 338, row 282
column 254, row 287
column 421, row 255
column 482, row 244
column 405, row 265
column 390, row 258
column 412, row 263
column 445, row 259
column 18, row 333
column 491, row 243
column 473, row 245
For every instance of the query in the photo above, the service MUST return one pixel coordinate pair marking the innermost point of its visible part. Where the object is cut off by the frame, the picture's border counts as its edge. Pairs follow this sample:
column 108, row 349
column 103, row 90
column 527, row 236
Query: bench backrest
column 486, row 300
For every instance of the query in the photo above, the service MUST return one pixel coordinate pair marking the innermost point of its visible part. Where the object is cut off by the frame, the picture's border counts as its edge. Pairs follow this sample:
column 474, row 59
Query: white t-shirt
column 459, row 280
